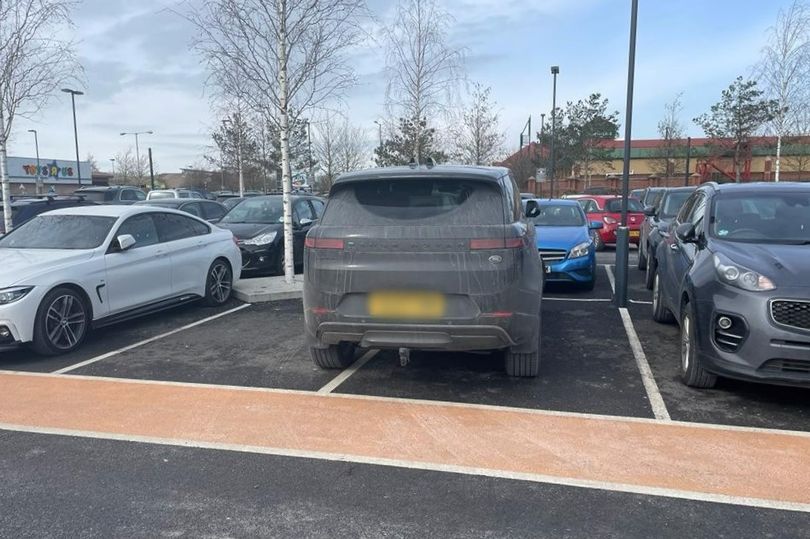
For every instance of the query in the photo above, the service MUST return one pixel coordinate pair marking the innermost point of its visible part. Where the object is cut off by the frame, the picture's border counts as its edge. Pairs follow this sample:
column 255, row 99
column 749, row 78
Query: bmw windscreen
column 59, row 232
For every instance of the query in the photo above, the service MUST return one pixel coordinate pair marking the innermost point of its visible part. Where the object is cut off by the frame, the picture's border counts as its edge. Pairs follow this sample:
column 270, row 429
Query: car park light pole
column 138, row 151
column 622, row 239
column 39, row 170
column 555, row 70
column 73, row 94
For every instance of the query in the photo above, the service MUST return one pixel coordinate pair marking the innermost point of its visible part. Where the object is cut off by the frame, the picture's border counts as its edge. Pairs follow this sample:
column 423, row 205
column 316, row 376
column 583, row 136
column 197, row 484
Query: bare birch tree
column 287, row 57
column 34, row 63
column 338, row 147
column 423, row 68
column 476, row 135
column 785, row 71
column 671, row 133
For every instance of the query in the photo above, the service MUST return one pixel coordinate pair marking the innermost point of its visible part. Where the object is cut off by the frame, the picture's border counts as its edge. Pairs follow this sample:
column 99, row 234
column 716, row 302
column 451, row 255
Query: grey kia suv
column 429, row 258
column 736, row 275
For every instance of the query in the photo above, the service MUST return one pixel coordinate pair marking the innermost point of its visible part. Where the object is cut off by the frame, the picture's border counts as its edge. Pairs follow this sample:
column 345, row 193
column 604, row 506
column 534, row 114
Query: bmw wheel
column 219, row 283
column 62, row 322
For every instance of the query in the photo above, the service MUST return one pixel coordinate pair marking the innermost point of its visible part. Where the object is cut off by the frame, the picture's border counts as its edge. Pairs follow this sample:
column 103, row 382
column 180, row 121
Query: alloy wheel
column 686, row 342
column 219, row 282
column 65, row 322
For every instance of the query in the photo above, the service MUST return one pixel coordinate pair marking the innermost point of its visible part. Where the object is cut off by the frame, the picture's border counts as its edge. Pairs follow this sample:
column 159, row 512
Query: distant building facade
column 57, row 175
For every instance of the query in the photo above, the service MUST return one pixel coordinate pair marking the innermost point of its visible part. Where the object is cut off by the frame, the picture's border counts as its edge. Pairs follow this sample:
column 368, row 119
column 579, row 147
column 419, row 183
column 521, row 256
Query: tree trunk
column 778, row 156
column 6, row 185
column 737, row 163
column 286, row 171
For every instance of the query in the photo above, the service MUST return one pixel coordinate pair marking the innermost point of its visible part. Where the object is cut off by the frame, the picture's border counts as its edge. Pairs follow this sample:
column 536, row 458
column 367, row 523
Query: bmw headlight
column 735, row 275
column 261, row 239
column 580, row 250
column 10, row 295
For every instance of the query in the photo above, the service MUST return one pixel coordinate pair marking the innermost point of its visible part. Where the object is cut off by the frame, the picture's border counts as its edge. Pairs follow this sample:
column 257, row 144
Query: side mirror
column 125, row 242
column 650, row 211
column 532, row 209
column 596, row 225
column 686, row 233
column 305, row 222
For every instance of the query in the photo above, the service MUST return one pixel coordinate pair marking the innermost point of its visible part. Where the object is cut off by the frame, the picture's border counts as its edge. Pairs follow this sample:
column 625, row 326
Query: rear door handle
column 674, row 246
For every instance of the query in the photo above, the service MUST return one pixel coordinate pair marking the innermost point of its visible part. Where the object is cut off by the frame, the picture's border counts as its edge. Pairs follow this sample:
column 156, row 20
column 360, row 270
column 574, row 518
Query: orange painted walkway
column 771, row 466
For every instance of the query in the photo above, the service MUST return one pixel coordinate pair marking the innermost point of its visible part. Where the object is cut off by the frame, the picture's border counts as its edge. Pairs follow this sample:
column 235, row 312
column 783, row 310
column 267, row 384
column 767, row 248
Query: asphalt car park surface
column 588, row 366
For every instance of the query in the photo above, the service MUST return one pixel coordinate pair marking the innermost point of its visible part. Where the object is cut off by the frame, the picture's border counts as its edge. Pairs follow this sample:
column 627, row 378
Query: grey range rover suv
column 425, row 258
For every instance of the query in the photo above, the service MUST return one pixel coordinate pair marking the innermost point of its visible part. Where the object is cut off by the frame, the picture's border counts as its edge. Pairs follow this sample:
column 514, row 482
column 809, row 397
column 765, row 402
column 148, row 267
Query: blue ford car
column 564, row 240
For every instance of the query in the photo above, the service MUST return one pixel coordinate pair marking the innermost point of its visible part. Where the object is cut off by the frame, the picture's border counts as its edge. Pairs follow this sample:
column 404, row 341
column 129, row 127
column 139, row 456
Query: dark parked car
column 114, row 194
column 204, row 209
column 656, row 227
column 26, row 208
column 436, row 258
column 735, row 273
column 256, row 223
column 648, row 196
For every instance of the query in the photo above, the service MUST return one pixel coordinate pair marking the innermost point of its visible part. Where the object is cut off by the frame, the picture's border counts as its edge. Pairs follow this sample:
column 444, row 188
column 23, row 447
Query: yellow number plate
column 406, row 304
column 635, row 233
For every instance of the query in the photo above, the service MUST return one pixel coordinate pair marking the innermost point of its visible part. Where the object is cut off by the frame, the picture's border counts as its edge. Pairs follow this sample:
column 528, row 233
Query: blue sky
column 140, row 74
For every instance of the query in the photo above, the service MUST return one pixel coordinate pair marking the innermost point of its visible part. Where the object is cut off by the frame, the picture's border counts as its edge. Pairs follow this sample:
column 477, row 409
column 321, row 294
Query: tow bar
column 404, row 356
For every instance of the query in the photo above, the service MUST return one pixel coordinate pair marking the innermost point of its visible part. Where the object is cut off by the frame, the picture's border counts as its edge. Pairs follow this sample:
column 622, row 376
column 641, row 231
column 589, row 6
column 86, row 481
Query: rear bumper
column 608, row 233
column 420, row 336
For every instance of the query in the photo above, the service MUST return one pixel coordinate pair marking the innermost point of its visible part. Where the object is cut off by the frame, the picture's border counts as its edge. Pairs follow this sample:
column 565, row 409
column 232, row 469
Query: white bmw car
column 68, row 271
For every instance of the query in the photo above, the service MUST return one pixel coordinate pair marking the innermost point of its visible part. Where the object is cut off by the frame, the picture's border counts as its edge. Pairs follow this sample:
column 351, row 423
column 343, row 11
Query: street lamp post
column 112, row 164
column 138, row 151
column 73, row 94
column 379, row 129
column 555, row 70
column 40, row 187
column 622, row 235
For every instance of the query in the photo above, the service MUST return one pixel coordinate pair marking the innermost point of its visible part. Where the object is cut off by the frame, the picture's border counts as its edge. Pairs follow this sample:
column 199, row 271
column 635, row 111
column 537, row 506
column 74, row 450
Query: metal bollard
column 622, row 261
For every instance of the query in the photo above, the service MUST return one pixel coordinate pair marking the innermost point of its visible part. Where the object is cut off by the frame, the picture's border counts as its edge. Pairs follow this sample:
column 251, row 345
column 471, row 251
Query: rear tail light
column 323, row 243
column 321, row 311
column 610, row 220
column 497, row 243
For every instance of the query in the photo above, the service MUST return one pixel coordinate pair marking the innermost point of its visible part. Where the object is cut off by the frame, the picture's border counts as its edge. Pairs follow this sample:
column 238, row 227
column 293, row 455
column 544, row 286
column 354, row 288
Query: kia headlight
column 261, row 239
column 10, row 295
column 739, row 276
column 580, row 250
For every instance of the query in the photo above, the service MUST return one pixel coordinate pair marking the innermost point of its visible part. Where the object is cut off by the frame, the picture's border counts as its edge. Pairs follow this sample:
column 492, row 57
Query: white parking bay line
column 147, row 341
column 659, row 408
column 611, row 278
column 343, row 376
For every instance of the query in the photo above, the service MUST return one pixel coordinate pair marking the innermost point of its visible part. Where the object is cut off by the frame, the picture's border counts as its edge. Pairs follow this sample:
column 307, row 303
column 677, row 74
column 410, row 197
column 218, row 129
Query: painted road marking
column 343, row 376
column 147, row 341
column 406, row 400
column 640, row 302
column 611, row 278
column 650, row 386
column 428, row 466
column 729, row 465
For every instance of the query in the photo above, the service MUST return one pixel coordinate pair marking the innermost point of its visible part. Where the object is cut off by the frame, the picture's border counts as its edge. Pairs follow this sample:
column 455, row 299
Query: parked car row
column 733, row 270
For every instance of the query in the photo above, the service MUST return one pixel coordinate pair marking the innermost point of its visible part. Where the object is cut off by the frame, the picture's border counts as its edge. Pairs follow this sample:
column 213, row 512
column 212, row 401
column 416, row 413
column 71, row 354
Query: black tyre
column 649, row 275
column 522, row 365
column 660, row 312
column 598, row 244
column 334, row 356
column 642, row 259
column 692, row 373
column 218, row 283
column 63, row 320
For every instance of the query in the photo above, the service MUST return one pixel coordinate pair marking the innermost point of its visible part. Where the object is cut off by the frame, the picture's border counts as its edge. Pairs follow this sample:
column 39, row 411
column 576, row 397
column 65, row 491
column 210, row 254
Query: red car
column 608, row 210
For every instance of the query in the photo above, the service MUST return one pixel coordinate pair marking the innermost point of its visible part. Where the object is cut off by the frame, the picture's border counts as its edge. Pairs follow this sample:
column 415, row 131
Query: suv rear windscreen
column 415, row 202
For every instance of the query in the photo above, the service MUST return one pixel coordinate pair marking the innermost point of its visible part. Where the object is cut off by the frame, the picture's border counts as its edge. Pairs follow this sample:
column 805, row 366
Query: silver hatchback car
column 429, row 258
